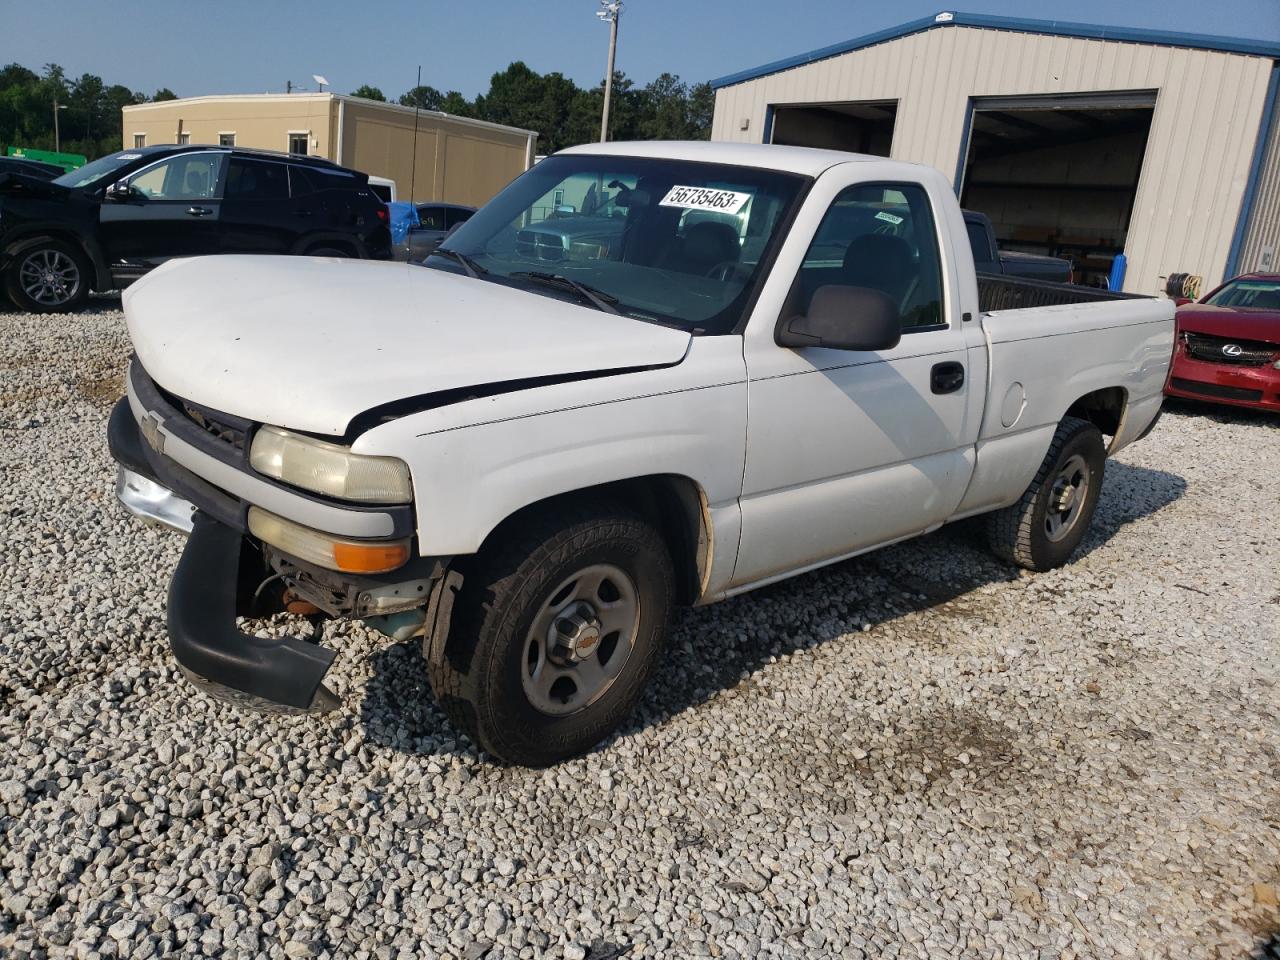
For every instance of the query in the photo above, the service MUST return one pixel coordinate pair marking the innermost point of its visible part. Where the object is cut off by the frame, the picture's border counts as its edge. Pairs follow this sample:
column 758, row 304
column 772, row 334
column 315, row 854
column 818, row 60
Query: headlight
column 329, row 468
column 325, row 550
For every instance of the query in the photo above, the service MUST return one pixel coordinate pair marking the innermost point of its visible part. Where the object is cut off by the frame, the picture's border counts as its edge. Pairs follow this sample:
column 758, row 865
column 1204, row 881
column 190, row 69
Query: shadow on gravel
column 97, row 303
column 712, row 649
column 1220, row 413
column 1269, row 949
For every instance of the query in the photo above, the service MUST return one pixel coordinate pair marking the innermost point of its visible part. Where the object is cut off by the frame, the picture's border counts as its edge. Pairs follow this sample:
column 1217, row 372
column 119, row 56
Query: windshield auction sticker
column 704, row 198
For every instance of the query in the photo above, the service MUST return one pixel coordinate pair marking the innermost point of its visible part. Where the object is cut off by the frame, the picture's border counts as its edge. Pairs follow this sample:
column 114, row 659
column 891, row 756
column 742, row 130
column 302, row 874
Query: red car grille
column 1242, row 353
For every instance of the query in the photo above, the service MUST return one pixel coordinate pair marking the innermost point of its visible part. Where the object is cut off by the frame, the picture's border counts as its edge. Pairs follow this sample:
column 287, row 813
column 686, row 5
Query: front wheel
column 555, row 633
column 50, row 277
column 1043, row 529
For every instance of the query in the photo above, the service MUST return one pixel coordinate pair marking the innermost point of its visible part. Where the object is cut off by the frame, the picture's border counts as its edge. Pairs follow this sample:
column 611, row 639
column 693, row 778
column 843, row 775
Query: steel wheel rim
column 1067, row 495
column 563, row 672
column 49, row 277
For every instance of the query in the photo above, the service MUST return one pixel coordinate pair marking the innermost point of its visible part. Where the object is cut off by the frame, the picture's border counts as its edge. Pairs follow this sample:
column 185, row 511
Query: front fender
column 477, row 462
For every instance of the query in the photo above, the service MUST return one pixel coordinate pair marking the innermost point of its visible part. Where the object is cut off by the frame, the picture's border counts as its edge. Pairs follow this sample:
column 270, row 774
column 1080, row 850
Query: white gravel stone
column 918, row 753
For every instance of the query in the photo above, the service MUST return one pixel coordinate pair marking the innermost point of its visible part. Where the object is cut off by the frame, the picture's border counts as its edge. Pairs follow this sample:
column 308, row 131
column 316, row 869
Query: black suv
column 106, row 224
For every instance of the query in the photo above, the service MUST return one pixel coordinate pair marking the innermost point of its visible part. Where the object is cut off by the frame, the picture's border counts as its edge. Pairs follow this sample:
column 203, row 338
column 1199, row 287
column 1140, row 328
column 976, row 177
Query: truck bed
column 997, row 292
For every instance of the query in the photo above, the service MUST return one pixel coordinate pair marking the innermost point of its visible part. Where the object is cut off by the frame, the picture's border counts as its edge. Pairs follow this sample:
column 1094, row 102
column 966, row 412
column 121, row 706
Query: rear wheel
column 49, row 277
column 555, row 632
column 330, row 252
column 1044, row 528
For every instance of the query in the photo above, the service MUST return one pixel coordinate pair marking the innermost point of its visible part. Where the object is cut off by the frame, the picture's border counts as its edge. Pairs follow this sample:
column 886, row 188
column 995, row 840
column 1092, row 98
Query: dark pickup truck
column 989, row 258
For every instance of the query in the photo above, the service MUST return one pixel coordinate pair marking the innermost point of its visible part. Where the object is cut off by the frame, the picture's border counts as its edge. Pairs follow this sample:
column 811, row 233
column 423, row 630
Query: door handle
column 302, row 213
column 199, row 211
column 946, row 377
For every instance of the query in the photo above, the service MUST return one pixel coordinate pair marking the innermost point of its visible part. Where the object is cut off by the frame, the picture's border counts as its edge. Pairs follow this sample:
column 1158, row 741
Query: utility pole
column 57, row 133
column 609, row 12
column 413, row 171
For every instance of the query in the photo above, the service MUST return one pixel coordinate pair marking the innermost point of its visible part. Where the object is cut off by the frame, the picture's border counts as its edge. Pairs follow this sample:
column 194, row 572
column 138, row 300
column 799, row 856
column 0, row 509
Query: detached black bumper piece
column 276, row 675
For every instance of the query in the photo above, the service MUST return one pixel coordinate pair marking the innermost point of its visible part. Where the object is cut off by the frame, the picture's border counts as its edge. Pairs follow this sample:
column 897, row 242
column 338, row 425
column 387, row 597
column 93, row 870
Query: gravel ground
column 921, row 753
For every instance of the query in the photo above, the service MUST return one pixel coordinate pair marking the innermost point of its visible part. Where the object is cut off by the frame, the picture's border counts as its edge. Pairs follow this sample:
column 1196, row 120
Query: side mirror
column 121, row 190
column 844, row 318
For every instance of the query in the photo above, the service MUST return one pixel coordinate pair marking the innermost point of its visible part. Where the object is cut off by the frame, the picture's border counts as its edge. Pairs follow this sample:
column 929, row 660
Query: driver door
column 849, row 449
column 171, row 210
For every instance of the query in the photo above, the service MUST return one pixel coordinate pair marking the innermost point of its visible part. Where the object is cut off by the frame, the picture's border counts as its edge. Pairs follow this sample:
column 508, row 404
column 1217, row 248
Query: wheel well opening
column 674, row 504
column 342, row 246
column 1103, row 408
column 21, row 244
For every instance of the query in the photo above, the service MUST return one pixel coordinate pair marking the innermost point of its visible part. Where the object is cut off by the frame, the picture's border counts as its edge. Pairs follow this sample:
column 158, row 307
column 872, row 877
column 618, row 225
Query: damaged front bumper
column 223, row 570
column 282, row 674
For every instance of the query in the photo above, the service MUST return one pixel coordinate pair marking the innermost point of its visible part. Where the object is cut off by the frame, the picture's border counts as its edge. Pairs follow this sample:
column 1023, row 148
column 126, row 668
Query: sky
column 255, row 46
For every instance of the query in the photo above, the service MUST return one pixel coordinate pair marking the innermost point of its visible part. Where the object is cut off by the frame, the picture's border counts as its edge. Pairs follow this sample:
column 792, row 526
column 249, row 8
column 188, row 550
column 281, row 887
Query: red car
column 1228, row 345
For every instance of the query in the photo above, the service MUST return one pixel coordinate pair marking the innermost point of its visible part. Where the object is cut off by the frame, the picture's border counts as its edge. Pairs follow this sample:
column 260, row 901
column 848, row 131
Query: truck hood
column 1230, row 322
column 309, row 343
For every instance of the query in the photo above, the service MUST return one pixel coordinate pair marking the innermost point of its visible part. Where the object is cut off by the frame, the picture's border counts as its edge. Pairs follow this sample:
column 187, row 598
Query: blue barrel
column 1118, row 267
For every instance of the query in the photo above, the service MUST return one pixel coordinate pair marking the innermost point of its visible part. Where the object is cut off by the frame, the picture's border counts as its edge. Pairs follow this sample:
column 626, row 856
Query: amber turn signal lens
column 326, row 550
column 369, row 557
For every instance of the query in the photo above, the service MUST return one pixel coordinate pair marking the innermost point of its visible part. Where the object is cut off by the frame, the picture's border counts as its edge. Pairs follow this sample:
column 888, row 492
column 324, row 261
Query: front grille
column 1216, row 390
column 539, row 246
column 223, row 427
column 1240, row 353
column 225, row 430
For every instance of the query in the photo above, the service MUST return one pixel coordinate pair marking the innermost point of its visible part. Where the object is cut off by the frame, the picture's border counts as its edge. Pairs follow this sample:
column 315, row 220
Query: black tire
column 480, row 681
column 67, row 267
column 1021, row 533
column 330, row 252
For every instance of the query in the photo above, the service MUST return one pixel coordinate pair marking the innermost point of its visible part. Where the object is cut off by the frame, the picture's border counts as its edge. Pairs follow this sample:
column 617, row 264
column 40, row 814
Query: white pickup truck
column 643, row 375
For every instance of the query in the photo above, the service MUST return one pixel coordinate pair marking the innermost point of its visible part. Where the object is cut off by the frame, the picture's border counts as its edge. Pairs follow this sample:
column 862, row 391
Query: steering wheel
column 724, row 270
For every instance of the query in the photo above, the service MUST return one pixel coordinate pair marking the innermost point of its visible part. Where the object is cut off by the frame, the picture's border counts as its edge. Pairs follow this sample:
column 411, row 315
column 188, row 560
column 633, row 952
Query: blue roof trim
column 1269, row 113
column 1056, row 28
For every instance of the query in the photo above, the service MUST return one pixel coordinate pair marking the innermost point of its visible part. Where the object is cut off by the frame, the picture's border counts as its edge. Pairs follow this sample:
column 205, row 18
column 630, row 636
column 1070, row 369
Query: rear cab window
column 979, row 243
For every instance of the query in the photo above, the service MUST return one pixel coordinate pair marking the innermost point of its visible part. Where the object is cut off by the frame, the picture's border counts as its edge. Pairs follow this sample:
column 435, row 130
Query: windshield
column 1248, row 294
column 668, row 241
column 91, row 173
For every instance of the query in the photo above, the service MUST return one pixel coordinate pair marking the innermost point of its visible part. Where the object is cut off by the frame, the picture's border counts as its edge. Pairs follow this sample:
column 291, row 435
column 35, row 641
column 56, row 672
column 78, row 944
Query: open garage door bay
column 863, row 126
column 1058, row 174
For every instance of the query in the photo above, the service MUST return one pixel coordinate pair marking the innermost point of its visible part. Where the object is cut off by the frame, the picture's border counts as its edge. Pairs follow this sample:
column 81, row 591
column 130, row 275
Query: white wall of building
column 1207, row 116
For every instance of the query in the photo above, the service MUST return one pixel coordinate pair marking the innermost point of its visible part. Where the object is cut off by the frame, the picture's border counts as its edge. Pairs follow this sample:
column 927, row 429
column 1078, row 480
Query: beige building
column 1077, row 140
column 457, row 159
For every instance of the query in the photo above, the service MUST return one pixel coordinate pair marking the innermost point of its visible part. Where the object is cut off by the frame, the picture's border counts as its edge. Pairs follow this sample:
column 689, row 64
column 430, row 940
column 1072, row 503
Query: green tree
column 429, row 98
column 702, row 108
column 369, row 93
column 164, row 93
column 455, row 103
column 90, row 124
column 515, row 97
column 664, row 109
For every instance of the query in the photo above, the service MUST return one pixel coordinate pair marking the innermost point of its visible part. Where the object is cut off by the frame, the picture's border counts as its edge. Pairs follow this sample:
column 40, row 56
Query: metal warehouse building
column 458, row 160
column 1077, row 140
